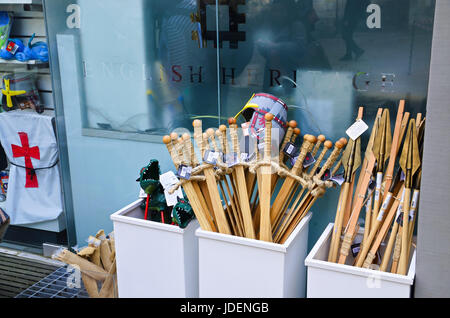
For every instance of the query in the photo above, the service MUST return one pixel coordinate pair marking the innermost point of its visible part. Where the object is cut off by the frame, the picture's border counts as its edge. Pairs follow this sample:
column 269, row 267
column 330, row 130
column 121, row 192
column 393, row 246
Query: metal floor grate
column 18, row 273
column 54, row 286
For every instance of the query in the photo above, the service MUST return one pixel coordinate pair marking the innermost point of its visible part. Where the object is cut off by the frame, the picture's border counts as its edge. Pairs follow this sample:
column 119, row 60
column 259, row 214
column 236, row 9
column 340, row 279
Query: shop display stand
column 154, row 259
column 331, row 280
column 234, row 267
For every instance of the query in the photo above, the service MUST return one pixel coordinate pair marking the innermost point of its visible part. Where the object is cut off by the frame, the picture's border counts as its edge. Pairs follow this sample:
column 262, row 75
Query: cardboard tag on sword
column 357, row 129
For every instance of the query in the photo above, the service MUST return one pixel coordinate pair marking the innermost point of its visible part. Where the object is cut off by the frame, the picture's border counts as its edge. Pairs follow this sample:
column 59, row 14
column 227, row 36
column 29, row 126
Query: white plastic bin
column 154, row 259
column 331, row 280
column 236, row 267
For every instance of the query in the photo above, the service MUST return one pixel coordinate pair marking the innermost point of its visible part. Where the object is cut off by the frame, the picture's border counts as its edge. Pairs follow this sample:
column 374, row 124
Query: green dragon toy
column 155, row 206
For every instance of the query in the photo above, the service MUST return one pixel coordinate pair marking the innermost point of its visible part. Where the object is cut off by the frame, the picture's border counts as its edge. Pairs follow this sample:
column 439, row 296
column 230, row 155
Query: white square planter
column 237, row 267
column 327, row 280
column 154, row 259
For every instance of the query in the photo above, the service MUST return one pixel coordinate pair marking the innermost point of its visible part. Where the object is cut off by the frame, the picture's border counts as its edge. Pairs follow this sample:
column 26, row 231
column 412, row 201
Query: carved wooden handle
column 198, row 136
column 308, row 142
column 187, row 149
column 327, row 145
column 168, row 142
column 321, row 139
column 234, row 135
column 339, row 145
column 289, row 132
column 176, row 149
column 268, row 136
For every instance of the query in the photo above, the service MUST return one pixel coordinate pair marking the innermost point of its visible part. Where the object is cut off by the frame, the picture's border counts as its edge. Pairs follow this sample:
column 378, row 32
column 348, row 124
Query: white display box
column 237, row 267
column 331, row 280
column 154, row 260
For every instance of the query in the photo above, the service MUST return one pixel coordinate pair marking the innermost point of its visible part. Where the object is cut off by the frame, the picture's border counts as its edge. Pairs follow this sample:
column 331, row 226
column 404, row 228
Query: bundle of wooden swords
column 390, row 198
column 233, row 192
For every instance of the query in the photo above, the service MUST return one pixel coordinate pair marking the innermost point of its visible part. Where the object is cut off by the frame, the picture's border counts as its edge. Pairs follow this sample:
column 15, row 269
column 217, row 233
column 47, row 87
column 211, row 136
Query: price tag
column 338, row 179
column 290, row 150
column 355, row 249
column 245, row 157
column 327, row 175
column 357, row 129
column 211, row 157
column 12, row 47
column 184, row 172
column 169, row 180
column 309, row 160
column 231, row 159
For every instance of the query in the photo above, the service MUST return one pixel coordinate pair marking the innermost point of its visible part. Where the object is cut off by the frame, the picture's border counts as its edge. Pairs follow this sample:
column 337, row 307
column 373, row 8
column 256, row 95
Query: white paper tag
column 172, row 199
column 357, row 129
column 211, row 157
column 142, row 194
column 184, row 172
column 168, row 180
column 232, row 159
column 338, row 179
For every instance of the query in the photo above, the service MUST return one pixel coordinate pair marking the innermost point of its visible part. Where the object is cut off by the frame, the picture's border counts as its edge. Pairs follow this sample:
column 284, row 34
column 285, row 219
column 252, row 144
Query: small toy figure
column 155, row 206
column 182, row 213
column 156, row 201
column 20, row 91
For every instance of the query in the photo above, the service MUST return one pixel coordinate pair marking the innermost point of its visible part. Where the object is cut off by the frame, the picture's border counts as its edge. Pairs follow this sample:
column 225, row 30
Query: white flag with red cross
column 34, row 189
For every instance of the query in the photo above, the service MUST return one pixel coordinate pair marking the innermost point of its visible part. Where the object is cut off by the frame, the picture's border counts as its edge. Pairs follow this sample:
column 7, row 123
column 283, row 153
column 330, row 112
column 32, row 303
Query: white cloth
column 27, row 205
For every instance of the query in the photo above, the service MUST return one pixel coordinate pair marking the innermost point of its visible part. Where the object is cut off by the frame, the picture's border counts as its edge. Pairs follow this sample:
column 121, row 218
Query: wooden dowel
column 265, row 228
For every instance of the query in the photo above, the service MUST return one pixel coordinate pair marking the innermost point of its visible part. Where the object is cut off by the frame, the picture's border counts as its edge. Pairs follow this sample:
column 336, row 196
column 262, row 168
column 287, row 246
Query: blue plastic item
column 36, row 51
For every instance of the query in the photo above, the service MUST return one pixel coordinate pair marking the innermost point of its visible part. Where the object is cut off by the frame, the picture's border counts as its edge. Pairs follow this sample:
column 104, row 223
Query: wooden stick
column 244, row 201
column 384, row 229
column 390, row 246
column 382, row 149
column 238, row 229
column 409, row 162
column 340, row 144
column 365, row 161
column 287, row 138
column 366, row 175
column 211, row 183
column 296, row 211
column 396, row 140
column 379, row 221
column 202, row 216
column 288, row 183
column 320, row 140
column 350, row 160
column 265, row 233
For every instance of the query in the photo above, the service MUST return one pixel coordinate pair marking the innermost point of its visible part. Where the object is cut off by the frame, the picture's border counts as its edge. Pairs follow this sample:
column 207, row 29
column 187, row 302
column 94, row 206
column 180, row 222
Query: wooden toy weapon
column 288, row 184
column 363, row 183
column 211, row 183
column 265, row 229
column 410, row 163
column 351, row 160
column 192, row 193
column 381, row 151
